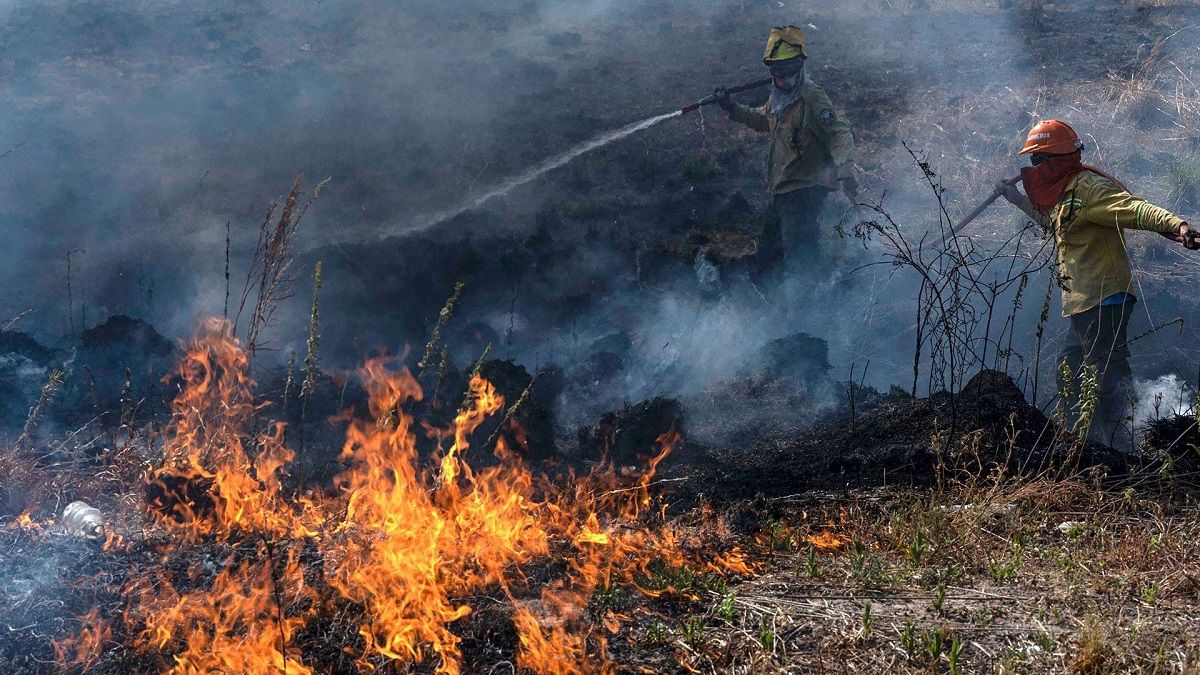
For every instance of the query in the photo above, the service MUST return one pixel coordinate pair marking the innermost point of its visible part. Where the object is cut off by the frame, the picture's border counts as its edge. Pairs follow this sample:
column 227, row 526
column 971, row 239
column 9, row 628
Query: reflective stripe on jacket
column 1088, row 225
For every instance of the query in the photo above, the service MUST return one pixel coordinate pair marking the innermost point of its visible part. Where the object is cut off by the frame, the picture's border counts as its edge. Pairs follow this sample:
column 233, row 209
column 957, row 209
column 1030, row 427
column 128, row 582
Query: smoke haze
column 134, row 131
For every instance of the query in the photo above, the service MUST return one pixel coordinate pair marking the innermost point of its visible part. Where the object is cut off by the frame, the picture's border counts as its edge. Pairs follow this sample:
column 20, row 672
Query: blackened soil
column 892, row 438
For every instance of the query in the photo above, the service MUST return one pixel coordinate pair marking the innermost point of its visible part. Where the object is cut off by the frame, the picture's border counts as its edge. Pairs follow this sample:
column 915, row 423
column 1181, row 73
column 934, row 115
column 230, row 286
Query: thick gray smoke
column 136, row 130
column 133, row 132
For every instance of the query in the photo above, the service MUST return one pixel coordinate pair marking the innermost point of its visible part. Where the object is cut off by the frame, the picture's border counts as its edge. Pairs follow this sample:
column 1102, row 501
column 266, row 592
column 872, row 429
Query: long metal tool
column 731, row 90
column 958, row 228
column 983, row 206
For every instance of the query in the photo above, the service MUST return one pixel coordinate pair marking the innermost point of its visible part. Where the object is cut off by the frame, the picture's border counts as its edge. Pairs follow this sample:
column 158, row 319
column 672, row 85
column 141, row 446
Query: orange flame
column 25, row 521
column 410, row 542
column 205, row 444
column 401, row 541
column 236, row 626
column 83, row 650
column 828, row 541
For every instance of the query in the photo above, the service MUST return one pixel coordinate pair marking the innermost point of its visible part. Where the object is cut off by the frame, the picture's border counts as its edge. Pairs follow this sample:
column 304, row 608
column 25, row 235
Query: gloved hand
column 1188, row 237
column 722, row 99
column 1010, row 192
column 850, row 188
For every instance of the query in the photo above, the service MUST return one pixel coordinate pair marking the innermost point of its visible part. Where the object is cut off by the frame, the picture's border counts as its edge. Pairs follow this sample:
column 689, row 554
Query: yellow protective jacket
column 810, row 143
column 1089, row 224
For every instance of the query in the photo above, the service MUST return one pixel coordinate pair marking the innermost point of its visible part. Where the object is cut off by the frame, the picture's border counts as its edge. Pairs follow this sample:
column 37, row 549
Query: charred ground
column 949, row 530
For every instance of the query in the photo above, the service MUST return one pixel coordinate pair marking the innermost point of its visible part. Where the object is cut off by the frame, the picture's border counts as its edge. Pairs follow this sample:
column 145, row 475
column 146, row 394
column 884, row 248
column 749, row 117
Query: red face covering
column 1046, row 182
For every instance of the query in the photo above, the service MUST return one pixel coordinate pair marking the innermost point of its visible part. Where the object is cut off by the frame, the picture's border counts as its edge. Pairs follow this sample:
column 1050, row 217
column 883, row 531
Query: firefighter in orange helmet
column 1088, row 211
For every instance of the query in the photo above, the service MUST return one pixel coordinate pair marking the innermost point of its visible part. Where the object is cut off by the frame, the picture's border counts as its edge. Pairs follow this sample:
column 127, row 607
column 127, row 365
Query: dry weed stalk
column 961, row 289
column 309, row 385
column 515, row 408
column 288, row 383
column 475, row 370
column 269, row 277
column 435, row 338
column 314, row 337
column 35, row 413
column 225, row 312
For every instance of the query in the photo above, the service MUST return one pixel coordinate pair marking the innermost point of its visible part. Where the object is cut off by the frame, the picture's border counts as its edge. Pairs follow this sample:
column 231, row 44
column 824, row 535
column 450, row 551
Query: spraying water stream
column 428, row 220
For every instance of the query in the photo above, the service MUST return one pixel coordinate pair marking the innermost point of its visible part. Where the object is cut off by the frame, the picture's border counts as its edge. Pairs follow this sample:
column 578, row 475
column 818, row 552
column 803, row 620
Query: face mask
column 782, row 97
column 790, row 79
column 1045, row 181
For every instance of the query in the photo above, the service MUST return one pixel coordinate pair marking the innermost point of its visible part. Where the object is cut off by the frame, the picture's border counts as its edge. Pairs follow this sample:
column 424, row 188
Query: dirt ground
column 883, row 532
column 1032, row 577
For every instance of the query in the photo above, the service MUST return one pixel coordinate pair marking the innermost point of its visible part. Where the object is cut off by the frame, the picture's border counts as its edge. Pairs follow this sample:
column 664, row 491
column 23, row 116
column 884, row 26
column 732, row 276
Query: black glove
column 721, row 98
column 1188, row 237
column 1010, row 192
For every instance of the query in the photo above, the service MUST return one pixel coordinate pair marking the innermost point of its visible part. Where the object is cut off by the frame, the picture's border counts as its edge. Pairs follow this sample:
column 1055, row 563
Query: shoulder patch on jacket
column 819, row 103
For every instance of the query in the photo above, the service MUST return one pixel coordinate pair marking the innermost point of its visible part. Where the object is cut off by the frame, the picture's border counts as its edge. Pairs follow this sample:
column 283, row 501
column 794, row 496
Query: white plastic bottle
column 83, row 520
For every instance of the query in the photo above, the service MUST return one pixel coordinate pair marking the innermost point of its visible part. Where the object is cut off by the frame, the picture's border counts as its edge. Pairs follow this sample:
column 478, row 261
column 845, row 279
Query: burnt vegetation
column 566, row 433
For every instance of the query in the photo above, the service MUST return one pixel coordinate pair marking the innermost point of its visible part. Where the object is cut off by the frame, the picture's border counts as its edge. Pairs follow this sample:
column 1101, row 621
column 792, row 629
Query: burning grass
column 409, row 561
column 418, row 560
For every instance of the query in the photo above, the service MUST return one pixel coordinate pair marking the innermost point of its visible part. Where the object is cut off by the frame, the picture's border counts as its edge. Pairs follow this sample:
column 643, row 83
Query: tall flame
column 403, row 542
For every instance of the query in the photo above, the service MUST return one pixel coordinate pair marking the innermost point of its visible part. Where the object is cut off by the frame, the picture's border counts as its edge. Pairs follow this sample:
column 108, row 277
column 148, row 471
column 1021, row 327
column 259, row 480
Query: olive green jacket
column 1089, row 224
column 810, row 143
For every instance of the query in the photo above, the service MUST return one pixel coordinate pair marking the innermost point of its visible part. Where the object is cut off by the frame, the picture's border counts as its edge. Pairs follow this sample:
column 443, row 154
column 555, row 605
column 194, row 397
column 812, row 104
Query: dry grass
column 269, row 276
column 980, row 574
column 1018, row 576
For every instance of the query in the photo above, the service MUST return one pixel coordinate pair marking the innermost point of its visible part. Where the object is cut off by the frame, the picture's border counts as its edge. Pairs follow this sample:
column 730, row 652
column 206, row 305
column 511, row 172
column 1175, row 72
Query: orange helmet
column 1052, row 137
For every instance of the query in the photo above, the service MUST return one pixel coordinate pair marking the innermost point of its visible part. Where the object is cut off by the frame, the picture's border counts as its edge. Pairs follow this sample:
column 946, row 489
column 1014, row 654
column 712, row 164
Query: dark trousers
column 791, row 238
column 1098, row 338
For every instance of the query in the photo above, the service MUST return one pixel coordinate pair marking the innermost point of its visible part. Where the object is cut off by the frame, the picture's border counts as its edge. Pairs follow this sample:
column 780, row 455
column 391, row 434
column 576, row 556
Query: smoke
column 536, row 172
column 1163, row 396
column 135, row 132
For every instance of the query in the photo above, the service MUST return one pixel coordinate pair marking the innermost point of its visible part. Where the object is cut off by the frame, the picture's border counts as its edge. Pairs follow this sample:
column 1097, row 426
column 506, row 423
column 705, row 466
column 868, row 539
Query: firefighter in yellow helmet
column 1087, row 211
column 810, row 153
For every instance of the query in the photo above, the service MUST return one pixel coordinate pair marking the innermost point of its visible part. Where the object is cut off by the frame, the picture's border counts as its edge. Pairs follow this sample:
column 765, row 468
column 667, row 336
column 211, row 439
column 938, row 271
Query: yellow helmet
column 785, row 43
